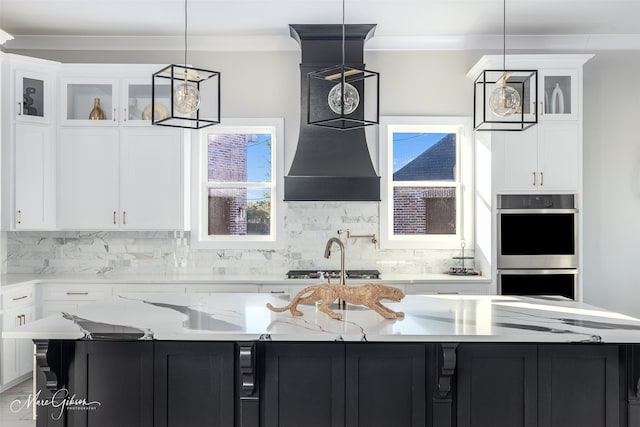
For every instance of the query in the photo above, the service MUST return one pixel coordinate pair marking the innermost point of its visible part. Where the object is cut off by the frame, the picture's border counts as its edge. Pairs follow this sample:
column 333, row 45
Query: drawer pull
column 77, row 293
column 19, row 298
column 277, row 292
column 448, row 293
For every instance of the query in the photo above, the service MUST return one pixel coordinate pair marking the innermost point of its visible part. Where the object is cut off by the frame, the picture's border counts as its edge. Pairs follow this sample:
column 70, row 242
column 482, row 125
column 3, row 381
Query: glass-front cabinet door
column 90, row 102
column 33, row 97
column 558, row 95
column 136, row 108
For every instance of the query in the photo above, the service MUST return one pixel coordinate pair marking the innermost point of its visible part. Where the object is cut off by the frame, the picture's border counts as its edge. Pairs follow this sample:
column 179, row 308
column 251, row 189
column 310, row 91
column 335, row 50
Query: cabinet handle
column 114, row 115
column 124, row 218
column 534, row 179
column 124, row 116
column 541, row 179
column 114, row 217
column 22, row 319
column 542, row 108
column 77, row 293
column 19, row 298
column 19, row 217
column 276, row 292
column 19, row 108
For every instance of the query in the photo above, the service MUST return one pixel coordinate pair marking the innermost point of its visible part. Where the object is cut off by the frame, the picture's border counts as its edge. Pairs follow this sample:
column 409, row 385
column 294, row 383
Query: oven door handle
column 537, row 211
column 528, row 271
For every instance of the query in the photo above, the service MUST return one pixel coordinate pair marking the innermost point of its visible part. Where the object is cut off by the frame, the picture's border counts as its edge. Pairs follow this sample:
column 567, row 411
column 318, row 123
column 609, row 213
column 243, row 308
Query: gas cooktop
column 333, row 274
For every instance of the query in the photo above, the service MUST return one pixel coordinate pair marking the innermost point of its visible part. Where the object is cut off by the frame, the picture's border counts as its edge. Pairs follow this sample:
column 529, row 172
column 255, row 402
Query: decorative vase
column 557, row 100
column 96, row 113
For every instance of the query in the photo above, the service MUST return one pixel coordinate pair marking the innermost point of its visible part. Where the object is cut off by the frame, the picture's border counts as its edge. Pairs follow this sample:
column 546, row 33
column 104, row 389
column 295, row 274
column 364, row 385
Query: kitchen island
column 225, row 360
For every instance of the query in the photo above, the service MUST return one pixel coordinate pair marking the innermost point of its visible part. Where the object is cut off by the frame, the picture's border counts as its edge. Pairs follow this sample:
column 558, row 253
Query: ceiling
column 263, row 24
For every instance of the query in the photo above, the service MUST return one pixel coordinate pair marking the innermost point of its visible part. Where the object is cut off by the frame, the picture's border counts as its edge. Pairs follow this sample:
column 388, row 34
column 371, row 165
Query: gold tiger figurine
column 367, row 295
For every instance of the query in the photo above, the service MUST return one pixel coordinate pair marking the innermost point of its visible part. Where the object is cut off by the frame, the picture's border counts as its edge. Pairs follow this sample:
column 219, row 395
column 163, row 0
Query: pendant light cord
column 504, row 34
column 343, row 36
column 185, row 33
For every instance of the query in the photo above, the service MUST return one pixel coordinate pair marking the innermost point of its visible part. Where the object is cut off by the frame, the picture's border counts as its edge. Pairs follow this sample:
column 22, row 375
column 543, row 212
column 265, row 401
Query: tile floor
column 16, row 418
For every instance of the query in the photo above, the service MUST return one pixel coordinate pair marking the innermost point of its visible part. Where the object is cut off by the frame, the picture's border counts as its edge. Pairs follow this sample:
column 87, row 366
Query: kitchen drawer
column 451, row 289
column 75, row 293
column 122, row 290
column 17, row 297
column 228, row 288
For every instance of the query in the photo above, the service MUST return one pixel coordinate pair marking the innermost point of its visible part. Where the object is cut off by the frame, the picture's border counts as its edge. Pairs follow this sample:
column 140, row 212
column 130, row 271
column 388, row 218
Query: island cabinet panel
column 539, row 385
column 385, row 385
column 338, row 384
column 304, row 385
column 579, row 385
column 118, row 375
column 194, row 384
column 497, row 385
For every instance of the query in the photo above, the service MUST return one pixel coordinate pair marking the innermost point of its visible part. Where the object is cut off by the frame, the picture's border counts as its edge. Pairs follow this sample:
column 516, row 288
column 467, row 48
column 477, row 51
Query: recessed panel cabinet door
column 579, row 386
column 497, row 385
column 33, row 187
column 151, row 186
column 88, row 179
column 385, row 385
column 194, row 383
column 558, row 157
column 303, row 385
column 118, row 376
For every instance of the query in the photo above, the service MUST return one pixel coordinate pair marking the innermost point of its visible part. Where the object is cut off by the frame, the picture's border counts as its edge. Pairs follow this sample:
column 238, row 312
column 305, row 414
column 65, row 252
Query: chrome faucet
column 327, row 253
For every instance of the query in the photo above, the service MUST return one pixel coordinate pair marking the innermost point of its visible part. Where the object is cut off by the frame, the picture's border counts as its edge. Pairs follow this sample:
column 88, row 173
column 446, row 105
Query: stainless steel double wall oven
column 537, row 245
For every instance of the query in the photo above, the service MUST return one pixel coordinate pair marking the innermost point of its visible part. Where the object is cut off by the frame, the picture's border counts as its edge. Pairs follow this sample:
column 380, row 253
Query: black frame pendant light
column 505, row 100
column 343, row 97
column 180, row 93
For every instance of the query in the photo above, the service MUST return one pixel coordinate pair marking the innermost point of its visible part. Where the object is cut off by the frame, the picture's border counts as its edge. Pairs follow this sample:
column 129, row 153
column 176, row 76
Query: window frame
column 200, row 185
column 463, row 127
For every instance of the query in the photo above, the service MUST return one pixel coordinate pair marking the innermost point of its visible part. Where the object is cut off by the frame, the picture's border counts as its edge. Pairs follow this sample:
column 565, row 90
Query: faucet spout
column 327, row 254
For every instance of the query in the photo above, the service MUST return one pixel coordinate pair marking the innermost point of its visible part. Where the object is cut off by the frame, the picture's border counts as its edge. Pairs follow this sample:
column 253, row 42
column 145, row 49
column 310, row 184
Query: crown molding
column 4, row 37
column 587, row 42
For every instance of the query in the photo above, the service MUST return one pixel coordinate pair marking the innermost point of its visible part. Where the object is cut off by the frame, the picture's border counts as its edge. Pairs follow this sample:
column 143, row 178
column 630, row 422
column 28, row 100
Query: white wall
column 612, row 181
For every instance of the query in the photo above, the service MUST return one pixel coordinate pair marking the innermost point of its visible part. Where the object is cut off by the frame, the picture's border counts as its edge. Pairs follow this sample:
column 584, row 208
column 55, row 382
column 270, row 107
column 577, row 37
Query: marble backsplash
column 307, row 227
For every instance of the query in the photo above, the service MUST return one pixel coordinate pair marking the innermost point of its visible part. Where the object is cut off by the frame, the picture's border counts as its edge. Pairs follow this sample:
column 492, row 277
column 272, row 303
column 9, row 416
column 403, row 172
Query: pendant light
column 177, row 94
column 505, row 99
column 336, row 97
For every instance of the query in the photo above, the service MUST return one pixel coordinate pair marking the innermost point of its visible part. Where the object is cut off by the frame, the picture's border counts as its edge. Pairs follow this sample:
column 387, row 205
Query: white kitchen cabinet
column 543, row 158
column 446, row 289
column 16, row 355
column 558, row 95
column 34, row 174
column 28, row 154
column 88, row 179
column 79, row 96
column 120, row 178
column 58, row 298
column 151, row 179
column 136, row 101
column 123, row 92
column 33, row 92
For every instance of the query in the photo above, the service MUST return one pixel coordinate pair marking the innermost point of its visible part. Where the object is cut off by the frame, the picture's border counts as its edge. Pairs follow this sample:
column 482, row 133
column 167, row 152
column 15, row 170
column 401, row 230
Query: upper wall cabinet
column 33, row 95
column 28, row 151
column 89, row 102
column 123, row 98
column 558, row 95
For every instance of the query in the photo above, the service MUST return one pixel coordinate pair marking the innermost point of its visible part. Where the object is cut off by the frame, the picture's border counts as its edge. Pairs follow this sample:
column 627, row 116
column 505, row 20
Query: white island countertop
column 434, row 318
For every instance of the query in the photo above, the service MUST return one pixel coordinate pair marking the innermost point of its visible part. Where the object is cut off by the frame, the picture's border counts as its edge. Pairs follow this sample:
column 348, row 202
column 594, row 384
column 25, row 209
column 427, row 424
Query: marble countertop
column 12, row 280
column 433, row 318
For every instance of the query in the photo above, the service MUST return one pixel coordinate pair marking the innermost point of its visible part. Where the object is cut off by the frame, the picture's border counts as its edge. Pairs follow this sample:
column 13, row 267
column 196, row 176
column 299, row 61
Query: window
column 237, row 196
column 426, row 165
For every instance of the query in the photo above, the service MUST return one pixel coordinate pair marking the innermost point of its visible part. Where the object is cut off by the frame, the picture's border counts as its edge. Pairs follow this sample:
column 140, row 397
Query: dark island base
column 290, row 384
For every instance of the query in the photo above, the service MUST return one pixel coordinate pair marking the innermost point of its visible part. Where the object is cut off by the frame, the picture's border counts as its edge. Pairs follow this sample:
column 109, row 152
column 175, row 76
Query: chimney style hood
column 329, row 164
